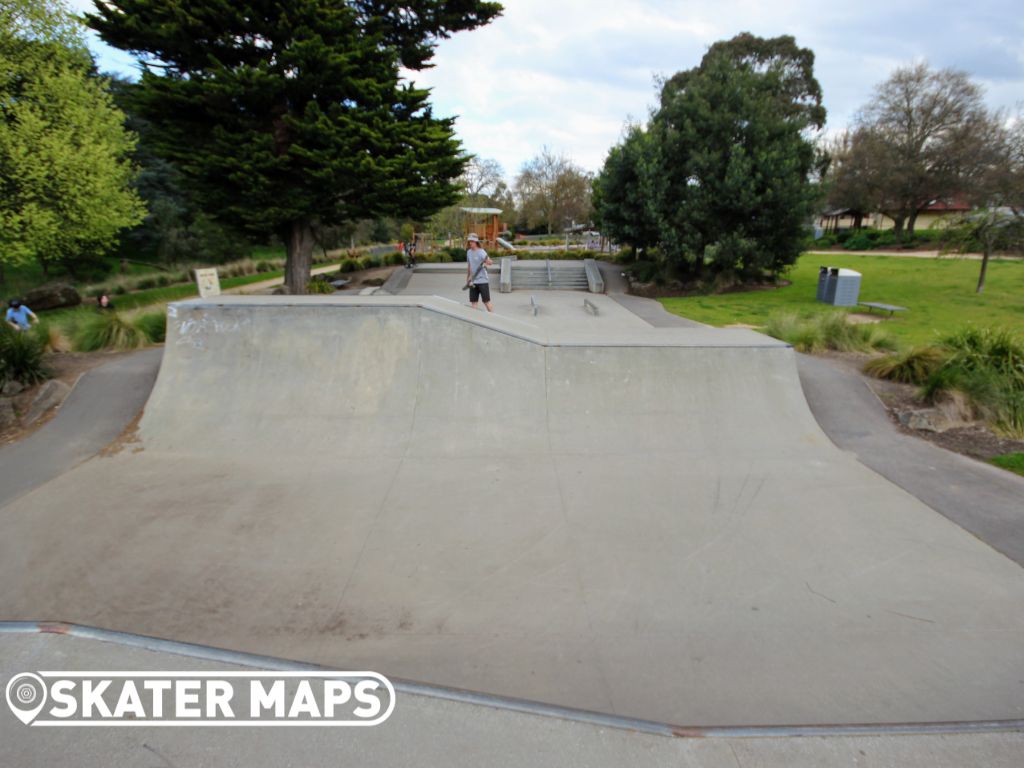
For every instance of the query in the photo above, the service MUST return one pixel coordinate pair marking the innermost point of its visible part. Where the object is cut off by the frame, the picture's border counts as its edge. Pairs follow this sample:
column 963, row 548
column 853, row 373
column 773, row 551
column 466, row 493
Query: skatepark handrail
column 271, row 663
column 705, row 337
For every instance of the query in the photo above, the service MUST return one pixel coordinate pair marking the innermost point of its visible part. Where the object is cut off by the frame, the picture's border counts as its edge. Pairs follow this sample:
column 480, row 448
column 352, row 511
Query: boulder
column 51, row 394
column 52, row 297
column 12, row 388
column 924, row 419
column 8, row 416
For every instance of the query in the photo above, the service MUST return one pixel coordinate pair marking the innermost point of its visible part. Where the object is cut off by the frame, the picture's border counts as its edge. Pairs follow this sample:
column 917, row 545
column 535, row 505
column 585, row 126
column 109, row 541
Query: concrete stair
column 535, row 275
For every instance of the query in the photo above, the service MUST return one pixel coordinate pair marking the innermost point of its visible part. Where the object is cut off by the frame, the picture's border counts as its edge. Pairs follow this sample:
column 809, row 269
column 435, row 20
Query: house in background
column 935, row 215
column 832, row 221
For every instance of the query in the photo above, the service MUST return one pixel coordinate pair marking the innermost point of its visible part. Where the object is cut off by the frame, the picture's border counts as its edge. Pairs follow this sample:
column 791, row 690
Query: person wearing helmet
column 20, row 317
column 477, row 281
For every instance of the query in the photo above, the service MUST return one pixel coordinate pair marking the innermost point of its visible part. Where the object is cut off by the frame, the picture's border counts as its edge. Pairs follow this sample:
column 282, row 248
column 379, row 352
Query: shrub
column 395, row 259
column 859, row 242
column 370, row 262
column 454, row 254
column 52, row 337
column 826, row 330
column 912, row 366
column 163, row 281
column 349, row 265
column 643, row 271
column 319, row 285
column 21, row 356
column 106, row 330
column 146, row 283
column 152, row 325
column 988, row 366
column 119, row 290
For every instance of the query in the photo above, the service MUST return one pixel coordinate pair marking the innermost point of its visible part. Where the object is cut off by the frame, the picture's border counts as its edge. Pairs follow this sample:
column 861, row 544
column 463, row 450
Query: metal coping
column 524, row 706
column 456, row 310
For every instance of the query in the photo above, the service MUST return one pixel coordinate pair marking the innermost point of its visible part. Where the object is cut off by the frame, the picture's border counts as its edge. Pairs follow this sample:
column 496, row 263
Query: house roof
column 941, row 204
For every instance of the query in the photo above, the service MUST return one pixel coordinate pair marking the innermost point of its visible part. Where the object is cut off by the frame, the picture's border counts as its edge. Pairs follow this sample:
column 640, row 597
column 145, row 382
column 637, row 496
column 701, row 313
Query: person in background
column 103, row 302
column 477, row 262
column 19, row 316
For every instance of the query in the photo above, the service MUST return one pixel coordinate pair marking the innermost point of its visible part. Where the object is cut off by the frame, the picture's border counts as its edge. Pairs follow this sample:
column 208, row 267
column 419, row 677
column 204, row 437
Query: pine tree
column 288, row 116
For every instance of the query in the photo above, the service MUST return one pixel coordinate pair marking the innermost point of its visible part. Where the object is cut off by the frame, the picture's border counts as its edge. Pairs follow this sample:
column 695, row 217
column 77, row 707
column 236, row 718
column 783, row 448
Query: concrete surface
column 428, row 730
column 646, row 523
column 985, row 500
column 102, row 403
column 431, row 730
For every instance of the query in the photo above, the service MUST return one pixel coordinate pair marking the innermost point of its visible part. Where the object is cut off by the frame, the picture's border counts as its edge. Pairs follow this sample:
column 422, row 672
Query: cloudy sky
column 567, row 74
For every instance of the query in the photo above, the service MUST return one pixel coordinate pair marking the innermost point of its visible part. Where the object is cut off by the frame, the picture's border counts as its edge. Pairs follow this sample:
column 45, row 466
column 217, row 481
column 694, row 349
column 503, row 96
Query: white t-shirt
column 476, row 257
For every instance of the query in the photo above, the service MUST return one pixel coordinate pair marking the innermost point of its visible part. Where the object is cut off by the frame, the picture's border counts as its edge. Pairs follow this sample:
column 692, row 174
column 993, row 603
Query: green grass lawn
column 1011, row 461
column 939, row 294
column 155, row 296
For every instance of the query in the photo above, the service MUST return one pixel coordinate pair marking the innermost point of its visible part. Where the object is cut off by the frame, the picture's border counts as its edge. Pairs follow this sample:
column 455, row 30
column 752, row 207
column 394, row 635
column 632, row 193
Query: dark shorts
column 478, row 291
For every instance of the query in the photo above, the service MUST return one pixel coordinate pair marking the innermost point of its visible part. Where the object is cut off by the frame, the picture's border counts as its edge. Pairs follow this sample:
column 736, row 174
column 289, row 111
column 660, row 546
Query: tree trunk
column 910, row 225
column 298, row 242
column 984, row 267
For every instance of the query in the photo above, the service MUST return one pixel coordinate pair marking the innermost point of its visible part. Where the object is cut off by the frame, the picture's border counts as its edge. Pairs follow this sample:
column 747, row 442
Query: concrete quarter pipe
column 646, row 523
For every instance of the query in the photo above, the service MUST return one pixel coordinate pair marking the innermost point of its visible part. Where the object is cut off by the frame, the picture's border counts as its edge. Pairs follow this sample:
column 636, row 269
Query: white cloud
column 567, row 74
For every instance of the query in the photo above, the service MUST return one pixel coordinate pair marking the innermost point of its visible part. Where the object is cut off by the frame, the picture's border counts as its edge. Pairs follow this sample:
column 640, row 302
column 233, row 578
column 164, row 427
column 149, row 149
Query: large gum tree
column 288, row 116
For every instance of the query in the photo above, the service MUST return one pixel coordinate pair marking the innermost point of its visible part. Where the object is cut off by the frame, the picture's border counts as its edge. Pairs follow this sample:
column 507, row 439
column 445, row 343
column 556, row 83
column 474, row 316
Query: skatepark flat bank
column 642, row 522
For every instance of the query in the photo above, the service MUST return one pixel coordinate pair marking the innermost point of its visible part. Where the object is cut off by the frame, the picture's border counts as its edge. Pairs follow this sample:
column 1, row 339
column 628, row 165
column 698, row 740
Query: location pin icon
column 26, row 696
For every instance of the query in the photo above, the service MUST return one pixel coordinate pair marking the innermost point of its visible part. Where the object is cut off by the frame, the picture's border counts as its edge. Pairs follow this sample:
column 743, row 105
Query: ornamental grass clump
column 21, row 356
column 911, row 366
column 152, row 325
column 106, row 330
column 826, row 331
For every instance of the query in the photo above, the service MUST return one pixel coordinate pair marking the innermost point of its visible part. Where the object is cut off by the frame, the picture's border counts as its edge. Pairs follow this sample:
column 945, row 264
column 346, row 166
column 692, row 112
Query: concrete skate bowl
column 650, row 525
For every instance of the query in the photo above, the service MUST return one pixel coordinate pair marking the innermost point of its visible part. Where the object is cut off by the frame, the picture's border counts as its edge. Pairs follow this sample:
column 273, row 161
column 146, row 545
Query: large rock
column 8, row 417
column 12, row 388
column 51, row 394
column 925, row 419
column 52, row 297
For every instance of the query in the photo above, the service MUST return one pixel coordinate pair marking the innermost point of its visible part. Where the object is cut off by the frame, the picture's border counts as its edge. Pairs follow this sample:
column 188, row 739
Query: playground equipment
column 486, row 222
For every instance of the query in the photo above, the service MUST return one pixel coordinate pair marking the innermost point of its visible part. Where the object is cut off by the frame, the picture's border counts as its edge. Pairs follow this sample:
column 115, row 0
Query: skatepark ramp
column 373, row 376
column 641, row 522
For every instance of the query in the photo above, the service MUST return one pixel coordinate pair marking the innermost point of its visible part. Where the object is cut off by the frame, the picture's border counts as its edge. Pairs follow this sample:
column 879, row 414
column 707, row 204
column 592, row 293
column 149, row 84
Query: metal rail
column 221, row 655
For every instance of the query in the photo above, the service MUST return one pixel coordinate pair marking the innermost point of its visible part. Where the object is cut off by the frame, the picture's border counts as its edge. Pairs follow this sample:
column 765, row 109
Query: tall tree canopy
column 552, row 192
column 64, row 152
column 733, row 160
column 621, row 193
column 292, row 115
column 925, row 135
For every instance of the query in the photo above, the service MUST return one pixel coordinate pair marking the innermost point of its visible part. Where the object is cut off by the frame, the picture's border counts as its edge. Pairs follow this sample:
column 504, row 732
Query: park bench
column 890, row 308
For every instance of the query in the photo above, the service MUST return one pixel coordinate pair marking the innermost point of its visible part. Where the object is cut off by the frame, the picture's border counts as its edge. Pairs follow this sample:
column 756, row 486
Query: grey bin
column 843, row 288
column 824, row 276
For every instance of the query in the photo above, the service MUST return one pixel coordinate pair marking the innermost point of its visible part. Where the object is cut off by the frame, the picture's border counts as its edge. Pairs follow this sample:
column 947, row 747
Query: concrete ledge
column 594, row 279
column 703, row 337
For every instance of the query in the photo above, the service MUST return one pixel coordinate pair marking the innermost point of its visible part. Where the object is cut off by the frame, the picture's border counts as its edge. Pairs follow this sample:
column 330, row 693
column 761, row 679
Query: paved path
column 102, row 403
column 985, row 500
